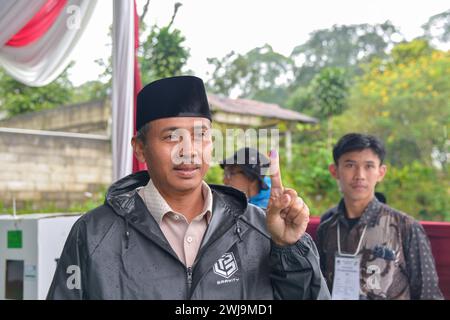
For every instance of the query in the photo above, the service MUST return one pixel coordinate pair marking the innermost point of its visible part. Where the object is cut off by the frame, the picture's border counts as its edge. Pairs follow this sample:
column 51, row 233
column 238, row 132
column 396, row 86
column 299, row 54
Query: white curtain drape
column 123, row 87
column 43, row 60
column 14, row 14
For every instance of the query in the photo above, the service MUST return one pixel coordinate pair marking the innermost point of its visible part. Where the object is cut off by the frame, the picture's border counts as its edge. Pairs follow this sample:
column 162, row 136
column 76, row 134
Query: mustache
column 187, row 166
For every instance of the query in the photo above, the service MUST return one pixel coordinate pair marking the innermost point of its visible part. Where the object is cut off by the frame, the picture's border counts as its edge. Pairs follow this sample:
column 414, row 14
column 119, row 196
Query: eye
column 171, row 137
column 203, row 135
column 349, row 165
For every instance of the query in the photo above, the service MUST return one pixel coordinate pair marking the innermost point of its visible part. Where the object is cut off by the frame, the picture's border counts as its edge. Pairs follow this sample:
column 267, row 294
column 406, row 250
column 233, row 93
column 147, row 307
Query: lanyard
column 339, row 242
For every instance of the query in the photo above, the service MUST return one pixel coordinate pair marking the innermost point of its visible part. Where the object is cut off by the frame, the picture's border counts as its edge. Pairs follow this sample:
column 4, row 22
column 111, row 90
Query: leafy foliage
column 162, row 54
column 258, row 74
column 92, row 90
column 343, row 46
column 17, row 98
column 326, row 95
column 419, row 190
column 438, row 27
column 405, row 100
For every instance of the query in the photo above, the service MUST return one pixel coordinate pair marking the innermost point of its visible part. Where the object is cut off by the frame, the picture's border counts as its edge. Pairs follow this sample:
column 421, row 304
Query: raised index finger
column 274, row 172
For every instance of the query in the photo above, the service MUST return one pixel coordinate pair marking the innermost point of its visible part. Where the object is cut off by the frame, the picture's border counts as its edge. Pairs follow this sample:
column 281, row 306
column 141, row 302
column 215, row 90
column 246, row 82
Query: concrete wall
column 91, row 117
column 40, row 168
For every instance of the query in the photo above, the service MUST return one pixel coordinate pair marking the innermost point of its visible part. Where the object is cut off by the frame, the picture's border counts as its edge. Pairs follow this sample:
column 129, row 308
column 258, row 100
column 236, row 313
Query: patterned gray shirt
column 396, row 257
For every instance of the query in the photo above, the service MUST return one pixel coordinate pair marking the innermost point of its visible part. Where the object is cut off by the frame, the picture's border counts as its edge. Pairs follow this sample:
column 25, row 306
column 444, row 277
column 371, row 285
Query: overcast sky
column 215, row 27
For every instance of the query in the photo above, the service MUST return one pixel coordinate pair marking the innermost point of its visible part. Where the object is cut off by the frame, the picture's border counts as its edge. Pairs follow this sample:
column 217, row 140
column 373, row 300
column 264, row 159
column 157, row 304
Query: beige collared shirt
column 185, row 238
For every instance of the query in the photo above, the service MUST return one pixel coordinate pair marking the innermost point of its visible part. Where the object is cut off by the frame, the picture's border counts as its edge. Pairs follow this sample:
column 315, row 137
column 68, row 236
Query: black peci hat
column 252, row 162
column 183, row 96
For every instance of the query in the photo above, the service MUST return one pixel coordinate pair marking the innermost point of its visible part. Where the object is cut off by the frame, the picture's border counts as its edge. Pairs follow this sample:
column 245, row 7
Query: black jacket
column 117, row 251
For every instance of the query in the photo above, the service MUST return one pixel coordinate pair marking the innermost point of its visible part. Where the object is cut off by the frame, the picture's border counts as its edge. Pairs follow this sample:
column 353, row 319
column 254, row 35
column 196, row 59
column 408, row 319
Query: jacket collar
column 121, row 195
column 159, row 207
column 228, row 205
column 369, row 215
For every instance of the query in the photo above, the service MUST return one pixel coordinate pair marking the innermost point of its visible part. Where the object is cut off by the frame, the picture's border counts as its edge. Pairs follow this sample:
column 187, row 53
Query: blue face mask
column 262, row 198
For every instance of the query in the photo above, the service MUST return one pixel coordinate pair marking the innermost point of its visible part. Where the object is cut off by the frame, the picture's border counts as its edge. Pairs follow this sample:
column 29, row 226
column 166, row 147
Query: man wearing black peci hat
column 246, row 171
column 166, row 234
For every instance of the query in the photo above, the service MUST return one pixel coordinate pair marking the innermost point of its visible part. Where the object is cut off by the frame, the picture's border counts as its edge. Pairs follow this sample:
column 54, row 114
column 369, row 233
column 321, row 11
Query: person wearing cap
column 163, row 233
column 245, row 171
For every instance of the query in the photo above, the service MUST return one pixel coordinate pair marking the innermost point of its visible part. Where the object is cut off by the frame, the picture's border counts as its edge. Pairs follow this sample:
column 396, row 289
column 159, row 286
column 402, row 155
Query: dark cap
column 252, row 162
column 183, row 96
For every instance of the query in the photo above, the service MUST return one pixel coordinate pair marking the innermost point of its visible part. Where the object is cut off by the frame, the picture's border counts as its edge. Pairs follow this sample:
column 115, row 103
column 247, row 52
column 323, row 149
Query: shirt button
column 176, row 217
column 189, row 239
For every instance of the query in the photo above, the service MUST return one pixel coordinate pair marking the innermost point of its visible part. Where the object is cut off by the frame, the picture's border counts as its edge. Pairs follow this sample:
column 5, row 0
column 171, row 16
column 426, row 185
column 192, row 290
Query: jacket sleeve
column 320, row 246
column 70, row 272
column 423, row 278
column 295, row 271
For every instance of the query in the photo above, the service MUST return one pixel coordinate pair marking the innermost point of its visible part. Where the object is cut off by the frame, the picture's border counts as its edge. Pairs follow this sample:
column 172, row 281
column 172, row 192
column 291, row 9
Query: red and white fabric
column 36, row 43
column 137, row 166
column 38, row 36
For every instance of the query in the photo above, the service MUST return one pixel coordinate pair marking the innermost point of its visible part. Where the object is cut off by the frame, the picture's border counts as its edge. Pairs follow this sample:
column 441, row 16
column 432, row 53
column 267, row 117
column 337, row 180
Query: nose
column 359, row 174
column 188, row 149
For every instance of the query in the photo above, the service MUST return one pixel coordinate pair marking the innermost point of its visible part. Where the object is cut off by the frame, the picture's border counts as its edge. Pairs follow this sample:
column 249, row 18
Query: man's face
column 177, row 152
column 357, row 174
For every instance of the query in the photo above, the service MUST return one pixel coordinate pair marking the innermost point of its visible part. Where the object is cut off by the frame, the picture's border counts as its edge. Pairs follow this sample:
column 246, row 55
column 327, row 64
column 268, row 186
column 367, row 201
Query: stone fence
column 41, row 168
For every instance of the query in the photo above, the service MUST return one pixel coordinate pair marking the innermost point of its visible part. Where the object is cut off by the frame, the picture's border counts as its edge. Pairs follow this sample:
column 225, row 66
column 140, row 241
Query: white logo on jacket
column 226, row 266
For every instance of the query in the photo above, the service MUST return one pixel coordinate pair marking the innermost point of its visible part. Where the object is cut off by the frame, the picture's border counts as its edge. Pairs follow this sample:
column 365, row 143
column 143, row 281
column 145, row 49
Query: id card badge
column 346, row 278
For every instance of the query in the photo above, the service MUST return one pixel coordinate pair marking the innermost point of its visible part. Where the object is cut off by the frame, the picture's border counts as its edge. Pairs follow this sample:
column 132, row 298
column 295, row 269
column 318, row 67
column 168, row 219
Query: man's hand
column 287, row 214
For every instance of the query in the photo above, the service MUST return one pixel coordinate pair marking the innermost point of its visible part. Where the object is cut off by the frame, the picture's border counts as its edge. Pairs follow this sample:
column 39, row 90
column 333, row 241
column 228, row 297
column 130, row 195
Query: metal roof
column 256, row 108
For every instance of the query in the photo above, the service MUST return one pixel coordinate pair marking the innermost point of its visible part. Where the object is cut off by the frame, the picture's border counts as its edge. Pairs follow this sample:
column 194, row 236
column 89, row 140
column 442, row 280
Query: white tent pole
column 122, row 87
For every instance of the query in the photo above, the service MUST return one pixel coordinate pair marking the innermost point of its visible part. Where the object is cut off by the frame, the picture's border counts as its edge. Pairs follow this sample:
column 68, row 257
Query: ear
column 138, row 149
column 381, row 172
column 333, row 170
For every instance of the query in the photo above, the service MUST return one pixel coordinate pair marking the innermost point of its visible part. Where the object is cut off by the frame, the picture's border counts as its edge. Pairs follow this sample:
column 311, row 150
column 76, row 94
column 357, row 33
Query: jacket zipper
column 189, row 279
column 189, row 269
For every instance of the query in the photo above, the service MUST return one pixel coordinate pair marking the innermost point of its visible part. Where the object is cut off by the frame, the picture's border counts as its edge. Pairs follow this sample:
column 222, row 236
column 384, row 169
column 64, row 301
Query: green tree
column 91, row 90
column 162, row 54
column 342, row 46
column 259, row 74
column 405, row 100
column 301, row 100
column 419, row 190
column 17, row 98
column 309, row 175
column 438, row 27
column 329, row 89
column 406, row 52
column 326, row 96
